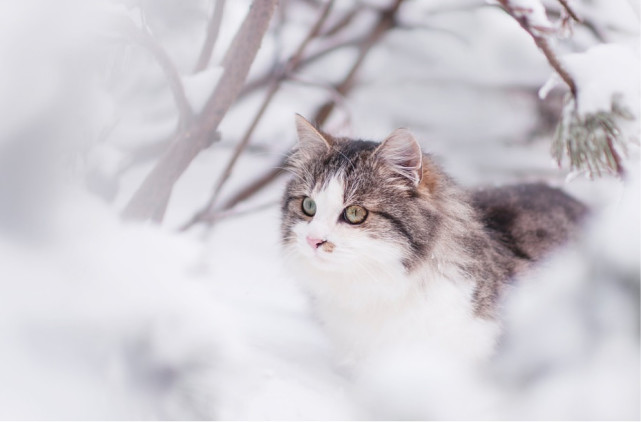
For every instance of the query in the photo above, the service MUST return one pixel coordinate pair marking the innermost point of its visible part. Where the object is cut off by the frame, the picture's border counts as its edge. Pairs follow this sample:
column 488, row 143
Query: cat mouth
column 317, row 244
column 326, row 246
column 320, row 253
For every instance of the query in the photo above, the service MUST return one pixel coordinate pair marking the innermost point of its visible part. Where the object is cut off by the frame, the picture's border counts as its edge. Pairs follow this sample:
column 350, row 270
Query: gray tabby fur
column 487, row 236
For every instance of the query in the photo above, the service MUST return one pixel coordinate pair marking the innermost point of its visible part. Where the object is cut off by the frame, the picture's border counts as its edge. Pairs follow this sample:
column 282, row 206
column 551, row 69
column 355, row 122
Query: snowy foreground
column 108, row 320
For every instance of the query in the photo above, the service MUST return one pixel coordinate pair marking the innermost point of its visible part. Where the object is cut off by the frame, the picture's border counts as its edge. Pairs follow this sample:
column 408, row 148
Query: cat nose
column 315, row 243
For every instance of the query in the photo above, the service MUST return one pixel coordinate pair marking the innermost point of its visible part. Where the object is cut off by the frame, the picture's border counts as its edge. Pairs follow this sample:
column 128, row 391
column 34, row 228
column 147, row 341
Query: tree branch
column 341, row 23
column 588, row 140
column 385, row 22
column 145, row 40
column 213, row 29
column 269, row 77
column 240, row 147
column 150, row 200
column 543, row 45
column 570, row 11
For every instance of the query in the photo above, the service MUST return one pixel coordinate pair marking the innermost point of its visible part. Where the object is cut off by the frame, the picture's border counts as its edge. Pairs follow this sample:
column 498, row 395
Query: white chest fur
column 367, row 301
column 367, row 315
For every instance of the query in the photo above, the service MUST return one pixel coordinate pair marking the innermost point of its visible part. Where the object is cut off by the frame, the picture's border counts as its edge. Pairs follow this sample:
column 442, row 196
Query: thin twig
column 386, row 22
column 240, row 147
column 141, row 154
column 213, row 28
column 145, row 40
column 269, row 77
column 543, row 45
column 237, row 212
column 433, row 29
column 570, row 12
column 331, row 89
column 591, row 26
column 341, row 23
column 151, row 198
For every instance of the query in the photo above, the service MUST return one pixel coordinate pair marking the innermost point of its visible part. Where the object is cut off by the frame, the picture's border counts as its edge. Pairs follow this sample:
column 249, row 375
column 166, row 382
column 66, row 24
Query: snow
column 535, row 13
column 603, row 72
column 119, row 312
column 618, row 20
column 101, row 319
column 582, row 351
column 130, row 319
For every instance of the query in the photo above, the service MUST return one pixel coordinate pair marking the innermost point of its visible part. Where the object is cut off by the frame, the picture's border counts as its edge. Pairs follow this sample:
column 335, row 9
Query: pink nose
column 315, row 243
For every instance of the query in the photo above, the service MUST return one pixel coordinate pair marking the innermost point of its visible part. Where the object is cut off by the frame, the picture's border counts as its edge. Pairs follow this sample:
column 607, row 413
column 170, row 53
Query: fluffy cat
column 393, row 251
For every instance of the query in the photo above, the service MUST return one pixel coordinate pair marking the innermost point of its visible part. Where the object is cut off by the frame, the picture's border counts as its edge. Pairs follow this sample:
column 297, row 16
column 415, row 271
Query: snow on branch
column 532, row 18
column 593, row 131
column 590, row 131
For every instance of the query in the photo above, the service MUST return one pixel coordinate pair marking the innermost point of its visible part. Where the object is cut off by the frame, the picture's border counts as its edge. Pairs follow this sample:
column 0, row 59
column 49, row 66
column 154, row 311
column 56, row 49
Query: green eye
column 309, row 206
column 355, row 214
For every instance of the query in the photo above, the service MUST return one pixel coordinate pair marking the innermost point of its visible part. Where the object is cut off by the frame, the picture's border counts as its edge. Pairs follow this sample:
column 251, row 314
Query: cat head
column 357, row 206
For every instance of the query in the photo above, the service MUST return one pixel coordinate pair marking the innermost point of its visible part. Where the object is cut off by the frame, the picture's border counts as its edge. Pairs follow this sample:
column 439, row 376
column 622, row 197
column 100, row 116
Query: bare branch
column 213, row 29
column 145, row 40
column 240, row 147
column 236, row 63
column 269, row 77
column 542, row 43
column 570, row 12
column 237, row 212
column 385, row 22
column 341, row 23
column 150, row 200
column 280, row 75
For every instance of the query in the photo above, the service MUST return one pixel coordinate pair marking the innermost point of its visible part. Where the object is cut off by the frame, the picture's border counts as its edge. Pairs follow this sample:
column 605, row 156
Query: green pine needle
column 591, row 141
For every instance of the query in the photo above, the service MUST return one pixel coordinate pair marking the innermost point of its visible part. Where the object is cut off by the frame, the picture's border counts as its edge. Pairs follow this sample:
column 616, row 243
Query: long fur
column 431, row 259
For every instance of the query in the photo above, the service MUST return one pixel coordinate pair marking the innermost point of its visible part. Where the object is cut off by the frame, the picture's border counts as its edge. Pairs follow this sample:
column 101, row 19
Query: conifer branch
column 589, row 141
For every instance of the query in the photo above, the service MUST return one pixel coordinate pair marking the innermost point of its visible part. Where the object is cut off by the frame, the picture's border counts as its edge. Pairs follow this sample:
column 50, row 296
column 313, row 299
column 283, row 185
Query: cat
column 393, row 251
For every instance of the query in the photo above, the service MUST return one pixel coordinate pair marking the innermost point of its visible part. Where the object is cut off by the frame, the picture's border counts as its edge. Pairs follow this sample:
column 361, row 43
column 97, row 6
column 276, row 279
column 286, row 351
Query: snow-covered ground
column 101, row 319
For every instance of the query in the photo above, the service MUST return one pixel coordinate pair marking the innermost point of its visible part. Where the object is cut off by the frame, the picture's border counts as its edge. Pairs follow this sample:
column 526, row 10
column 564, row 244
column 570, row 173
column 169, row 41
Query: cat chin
column 386, row 306
column 347, row 284
column 367, row 301
column 435, row 315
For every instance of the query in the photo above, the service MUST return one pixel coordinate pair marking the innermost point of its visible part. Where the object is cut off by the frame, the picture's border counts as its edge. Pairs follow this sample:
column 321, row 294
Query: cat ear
column 309, row 138
column 403, row 154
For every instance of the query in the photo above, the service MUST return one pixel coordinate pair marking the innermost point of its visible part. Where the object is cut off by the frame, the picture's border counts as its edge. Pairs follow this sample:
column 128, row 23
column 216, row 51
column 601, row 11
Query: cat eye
column 355, row 214
column 309, row 206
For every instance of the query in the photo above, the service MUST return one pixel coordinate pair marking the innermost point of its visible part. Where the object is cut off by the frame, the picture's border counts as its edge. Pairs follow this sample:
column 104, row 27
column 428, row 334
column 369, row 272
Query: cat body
column 394, row 252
